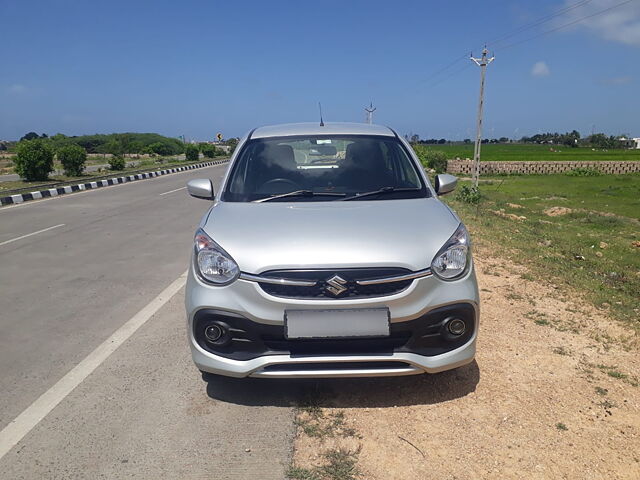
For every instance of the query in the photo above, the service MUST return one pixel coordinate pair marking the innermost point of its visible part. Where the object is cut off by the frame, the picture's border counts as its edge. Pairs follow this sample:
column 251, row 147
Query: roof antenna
column 370, row 111
column 320, row 107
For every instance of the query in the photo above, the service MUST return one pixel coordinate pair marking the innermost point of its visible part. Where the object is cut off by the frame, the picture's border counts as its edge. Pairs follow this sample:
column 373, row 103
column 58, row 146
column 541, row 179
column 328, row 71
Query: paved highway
column 79, row 274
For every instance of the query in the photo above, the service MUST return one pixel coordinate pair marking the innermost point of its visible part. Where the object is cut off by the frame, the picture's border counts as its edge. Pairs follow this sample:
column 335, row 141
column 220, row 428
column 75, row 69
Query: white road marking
column 34, row 413
column 171, row 191
column 30, row 234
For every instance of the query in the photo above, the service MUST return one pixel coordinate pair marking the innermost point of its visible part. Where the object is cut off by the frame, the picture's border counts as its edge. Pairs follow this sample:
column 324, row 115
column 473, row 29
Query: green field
column 522, row 152
column 592, row 247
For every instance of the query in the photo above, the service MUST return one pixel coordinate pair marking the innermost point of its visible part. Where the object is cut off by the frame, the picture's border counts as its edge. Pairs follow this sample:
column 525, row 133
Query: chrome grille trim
column 304, row 283
column 399, row 278
column 277, row 281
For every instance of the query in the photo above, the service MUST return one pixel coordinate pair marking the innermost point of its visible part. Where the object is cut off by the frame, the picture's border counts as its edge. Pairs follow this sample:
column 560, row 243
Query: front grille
column 351, row 275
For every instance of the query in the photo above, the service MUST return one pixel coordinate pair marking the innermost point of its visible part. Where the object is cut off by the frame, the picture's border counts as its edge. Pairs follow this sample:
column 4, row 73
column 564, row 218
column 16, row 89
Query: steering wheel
column 277, row 181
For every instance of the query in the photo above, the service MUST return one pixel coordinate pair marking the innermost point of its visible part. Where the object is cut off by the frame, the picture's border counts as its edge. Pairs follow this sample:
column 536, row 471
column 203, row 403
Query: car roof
column 329, row 128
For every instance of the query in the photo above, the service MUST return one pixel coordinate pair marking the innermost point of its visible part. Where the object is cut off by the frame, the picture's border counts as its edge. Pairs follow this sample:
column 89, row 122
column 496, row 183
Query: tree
column 160, row 148
column 73, row 158
column 232, row 143
column 30, row 136
column 192, row 153
column 117, row 162
column 136, row 147
column 436, row 160
column 208, row 150
column 113, row 146
column 34, row 159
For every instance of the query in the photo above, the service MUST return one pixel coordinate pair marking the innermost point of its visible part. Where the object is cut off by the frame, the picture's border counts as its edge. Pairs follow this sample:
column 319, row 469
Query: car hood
column 278, row 235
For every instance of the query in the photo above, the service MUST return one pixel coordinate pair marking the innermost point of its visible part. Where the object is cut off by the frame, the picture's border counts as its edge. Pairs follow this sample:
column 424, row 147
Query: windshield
column 327, row 168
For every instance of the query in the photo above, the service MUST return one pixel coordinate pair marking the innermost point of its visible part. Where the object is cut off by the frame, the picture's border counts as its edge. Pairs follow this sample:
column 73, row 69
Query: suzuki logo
column 336, row 285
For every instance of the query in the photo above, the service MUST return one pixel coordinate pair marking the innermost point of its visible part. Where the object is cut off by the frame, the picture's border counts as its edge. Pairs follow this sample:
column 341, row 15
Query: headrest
column 364, row 154
column 280, row 155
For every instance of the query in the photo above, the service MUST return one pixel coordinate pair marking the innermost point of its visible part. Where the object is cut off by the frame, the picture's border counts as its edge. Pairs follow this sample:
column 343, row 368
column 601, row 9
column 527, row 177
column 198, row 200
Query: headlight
column 454, row 257
column 212, row 263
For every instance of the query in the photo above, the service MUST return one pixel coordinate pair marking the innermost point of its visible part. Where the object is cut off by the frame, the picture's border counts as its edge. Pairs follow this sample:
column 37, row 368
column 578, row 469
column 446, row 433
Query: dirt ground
column 553, row 393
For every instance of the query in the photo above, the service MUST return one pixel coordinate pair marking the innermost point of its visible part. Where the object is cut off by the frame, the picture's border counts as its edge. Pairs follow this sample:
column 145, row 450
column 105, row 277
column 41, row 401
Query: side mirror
column 445, row 183
column 201, row 188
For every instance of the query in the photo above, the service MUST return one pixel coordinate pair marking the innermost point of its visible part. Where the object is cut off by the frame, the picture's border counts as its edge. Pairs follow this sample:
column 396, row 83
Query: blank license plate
column 360, row 322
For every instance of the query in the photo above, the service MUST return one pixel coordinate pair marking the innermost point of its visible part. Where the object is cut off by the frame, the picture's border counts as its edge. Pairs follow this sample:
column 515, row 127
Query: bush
column 192, row 153
column 34, row 160
column 163, row 149
column 584, row 172
column 72, row 158
column 116, row 163
column 207, row 150
column 469, row 194
column 436, row 160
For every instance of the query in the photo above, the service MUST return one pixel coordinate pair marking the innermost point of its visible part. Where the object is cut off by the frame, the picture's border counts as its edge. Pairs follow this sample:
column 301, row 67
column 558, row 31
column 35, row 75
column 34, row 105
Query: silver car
column 328, row 254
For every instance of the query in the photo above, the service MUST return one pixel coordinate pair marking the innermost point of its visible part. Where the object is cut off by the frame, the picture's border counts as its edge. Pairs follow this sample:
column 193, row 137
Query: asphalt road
column 75, row 271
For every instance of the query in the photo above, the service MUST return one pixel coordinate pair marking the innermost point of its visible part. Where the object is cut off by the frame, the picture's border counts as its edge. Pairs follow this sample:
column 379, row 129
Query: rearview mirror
column 445, row 183
column 201, row 188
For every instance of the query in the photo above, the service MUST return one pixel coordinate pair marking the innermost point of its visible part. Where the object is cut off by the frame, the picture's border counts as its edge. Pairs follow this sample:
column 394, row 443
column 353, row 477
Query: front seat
column 278, row 162
column 364, row 167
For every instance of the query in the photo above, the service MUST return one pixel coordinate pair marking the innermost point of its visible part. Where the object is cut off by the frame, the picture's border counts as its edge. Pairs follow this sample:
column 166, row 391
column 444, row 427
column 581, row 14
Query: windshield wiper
column 300, row 193
column 381, row 191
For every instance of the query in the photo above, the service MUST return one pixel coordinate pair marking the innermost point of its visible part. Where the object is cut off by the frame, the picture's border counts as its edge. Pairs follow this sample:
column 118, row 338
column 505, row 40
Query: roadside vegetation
column 582, row 232
column 34, row 160
column 529, row 152
column 114, row 143
column 73, row 158
column 148, row 164
column 39, row 159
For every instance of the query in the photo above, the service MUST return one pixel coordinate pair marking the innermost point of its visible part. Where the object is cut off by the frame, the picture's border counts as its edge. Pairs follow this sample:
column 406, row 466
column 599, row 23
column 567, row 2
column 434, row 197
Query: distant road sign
column 219, row 136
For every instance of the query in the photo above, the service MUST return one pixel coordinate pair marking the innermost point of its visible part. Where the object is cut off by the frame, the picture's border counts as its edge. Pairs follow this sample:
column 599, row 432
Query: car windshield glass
column 323, row 168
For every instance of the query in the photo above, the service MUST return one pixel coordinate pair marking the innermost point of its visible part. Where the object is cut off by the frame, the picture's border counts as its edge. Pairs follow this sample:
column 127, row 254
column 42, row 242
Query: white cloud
column 540, row 69
column 620, row 24
column 17, row 89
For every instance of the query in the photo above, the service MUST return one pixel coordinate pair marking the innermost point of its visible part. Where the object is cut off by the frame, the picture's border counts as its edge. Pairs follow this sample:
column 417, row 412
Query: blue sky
column 196, row 68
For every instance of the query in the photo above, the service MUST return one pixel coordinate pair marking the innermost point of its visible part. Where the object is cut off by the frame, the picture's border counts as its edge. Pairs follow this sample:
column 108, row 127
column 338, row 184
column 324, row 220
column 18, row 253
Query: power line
column 443, row 69
column 499, row 39
column 538, row 22
column 528, row 26
column 565, row 25
column 451, row 74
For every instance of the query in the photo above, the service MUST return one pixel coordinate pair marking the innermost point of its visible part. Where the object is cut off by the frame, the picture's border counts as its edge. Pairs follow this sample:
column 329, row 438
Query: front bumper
column 416, row 345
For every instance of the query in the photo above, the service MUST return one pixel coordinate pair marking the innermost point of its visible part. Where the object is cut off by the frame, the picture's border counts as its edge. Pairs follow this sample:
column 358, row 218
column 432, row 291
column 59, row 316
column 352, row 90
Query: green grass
column 523, row 152
column 567, row 249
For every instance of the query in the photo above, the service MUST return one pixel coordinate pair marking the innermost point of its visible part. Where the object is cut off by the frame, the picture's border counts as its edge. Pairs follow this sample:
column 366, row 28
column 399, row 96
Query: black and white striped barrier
column 54, row 192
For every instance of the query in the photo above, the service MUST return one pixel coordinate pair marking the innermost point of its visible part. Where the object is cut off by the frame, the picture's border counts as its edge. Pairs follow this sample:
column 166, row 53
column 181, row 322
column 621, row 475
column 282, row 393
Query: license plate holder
column 336, row 323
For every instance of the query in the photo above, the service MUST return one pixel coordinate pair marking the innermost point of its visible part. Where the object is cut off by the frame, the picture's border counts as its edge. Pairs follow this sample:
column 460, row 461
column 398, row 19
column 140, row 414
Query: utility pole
column 482, row 63
column 370, row 109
